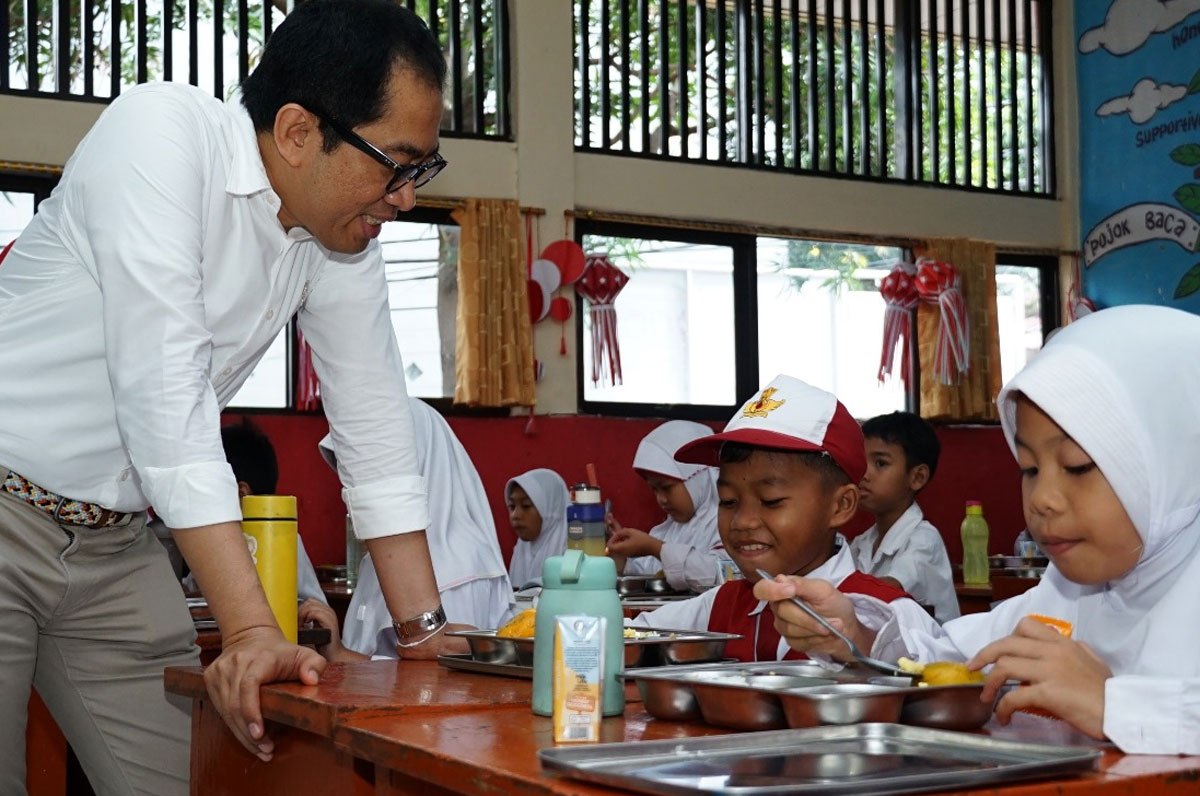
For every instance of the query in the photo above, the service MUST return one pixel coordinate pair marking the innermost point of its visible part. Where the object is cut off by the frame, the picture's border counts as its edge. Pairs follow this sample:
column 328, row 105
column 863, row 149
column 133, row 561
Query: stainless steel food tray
column 643, row 586
column 822, row 761
column 770, row 696
column 466, row 663
column 674, row 647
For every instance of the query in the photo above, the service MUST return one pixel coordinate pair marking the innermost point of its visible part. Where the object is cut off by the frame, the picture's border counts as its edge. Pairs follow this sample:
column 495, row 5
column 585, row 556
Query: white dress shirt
column 142, row 295
column 912, row 552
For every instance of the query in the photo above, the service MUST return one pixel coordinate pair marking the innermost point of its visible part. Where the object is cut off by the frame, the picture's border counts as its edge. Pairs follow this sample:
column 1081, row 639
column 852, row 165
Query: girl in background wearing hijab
column 686, row 547
column 537, row 506
column 470, row 571
column 1105, row 426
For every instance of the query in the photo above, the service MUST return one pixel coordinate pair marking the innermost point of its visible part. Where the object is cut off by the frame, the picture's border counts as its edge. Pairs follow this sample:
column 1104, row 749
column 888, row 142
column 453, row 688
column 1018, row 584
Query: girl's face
column 672, row 496
column 1070, row 508
column 524, row 516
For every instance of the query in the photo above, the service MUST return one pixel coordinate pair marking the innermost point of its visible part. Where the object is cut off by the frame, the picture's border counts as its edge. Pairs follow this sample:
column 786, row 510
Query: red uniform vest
column 760, row 639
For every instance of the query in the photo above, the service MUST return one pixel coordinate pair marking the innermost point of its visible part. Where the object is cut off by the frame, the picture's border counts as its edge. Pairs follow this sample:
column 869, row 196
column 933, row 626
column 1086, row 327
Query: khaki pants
column 91, row 618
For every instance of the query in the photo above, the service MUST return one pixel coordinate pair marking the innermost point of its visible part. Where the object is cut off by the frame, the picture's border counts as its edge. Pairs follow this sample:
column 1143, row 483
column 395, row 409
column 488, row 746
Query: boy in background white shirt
column 902, row 547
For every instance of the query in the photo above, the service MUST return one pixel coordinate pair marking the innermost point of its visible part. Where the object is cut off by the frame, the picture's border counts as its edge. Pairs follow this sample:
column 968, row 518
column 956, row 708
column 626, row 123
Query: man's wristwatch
column 420, row 625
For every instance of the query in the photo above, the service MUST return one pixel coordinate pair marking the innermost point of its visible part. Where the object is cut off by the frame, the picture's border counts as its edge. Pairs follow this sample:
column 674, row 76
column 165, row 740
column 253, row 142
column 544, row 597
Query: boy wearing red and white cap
column 790, row 462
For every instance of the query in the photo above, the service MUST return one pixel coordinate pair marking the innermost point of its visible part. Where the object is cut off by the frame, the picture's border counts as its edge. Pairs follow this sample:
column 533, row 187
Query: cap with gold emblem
column 789, row 415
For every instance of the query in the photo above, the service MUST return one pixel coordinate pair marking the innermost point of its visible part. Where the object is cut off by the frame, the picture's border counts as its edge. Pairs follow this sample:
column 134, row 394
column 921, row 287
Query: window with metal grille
column 950, row 92
column 94, row 50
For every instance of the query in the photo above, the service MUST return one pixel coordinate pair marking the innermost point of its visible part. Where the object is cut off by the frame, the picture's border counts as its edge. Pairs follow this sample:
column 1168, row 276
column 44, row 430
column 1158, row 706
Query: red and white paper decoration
column 900, row 297
column 937, row 282
column 600, row 284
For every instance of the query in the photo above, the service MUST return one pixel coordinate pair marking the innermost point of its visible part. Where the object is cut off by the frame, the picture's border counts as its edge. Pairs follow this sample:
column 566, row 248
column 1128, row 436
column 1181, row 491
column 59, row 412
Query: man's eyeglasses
column 417, row 173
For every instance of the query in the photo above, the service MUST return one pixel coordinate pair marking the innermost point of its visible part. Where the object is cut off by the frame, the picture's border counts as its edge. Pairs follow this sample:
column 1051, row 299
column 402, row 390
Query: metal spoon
column 865, row 660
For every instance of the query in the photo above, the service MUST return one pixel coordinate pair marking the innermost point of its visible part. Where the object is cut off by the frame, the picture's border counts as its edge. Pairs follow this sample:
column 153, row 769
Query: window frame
column 745, row 322
column 1048, row 284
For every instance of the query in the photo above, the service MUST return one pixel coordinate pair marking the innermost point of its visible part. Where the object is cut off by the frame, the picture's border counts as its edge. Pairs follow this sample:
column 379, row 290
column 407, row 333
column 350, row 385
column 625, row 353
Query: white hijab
column 1124, row 383
column 549, row 495
column 461, row 533
column 656, row 454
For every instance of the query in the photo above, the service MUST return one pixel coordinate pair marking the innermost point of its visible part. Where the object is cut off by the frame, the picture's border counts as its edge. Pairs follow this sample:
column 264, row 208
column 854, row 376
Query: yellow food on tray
column 521, row 626
column 940, row 672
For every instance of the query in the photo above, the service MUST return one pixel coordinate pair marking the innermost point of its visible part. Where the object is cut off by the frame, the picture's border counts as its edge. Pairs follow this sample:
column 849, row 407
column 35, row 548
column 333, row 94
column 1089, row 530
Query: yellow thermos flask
column 269, row 525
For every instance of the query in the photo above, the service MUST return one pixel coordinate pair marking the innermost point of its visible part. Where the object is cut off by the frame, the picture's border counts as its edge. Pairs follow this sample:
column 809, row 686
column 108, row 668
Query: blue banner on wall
column 1139, row 137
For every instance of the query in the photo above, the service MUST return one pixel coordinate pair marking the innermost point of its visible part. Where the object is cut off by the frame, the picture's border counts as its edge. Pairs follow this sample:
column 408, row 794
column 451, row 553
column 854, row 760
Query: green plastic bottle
column 975, row 545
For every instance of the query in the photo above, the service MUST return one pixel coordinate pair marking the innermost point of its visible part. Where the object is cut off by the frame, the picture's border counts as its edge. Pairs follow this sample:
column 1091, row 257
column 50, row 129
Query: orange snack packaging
column 1065, row 628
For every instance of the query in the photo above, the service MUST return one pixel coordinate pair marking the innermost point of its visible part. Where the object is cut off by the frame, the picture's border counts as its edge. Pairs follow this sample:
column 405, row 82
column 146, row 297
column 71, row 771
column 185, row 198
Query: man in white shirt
column 182, row 237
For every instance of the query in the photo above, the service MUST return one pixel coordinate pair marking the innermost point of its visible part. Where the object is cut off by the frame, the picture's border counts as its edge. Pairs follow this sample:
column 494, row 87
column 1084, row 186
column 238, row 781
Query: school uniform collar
column 898, row 534
column 836, row 569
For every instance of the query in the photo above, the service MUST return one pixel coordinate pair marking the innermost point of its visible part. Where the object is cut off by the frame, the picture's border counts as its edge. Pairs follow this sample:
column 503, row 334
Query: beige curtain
column 973, row 398
column 493, row 353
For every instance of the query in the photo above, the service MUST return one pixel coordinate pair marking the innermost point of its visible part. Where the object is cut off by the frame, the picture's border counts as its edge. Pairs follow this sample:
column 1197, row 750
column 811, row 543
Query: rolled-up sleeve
column 347, row 323
column 138, row 205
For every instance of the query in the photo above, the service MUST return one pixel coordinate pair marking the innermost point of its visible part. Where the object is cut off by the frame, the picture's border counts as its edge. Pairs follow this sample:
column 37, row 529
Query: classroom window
column 820, row 317
column 421, row 260
column 708, row 317
column 1026, row 308
column 674, row 323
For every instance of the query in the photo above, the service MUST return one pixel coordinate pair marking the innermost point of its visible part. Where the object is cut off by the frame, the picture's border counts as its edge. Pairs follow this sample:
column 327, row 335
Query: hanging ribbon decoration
column 937, row 282
column 600, row 284
column 308, row 389
column 900, row 297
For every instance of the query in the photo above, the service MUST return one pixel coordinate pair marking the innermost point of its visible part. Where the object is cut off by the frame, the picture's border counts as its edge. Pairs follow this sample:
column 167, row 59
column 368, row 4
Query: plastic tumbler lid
column 585, row 493
column 269, row 507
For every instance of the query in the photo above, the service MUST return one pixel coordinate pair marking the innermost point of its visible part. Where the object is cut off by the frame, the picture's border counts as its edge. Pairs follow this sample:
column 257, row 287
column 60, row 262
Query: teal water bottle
column 579, row 584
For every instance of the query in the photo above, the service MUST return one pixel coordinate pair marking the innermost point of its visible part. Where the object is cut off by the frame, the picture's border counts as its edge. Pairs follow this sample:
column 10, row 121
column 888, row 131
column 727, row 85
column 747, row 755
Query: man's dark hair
column 822, row 464
column 252, row 456
column 914, row 436
column 336, row 57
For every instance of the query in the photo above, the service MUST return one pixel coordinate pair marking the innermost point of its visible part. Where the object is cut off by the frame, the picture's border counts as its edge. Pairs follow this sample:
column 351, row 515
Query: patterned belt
column 61, row 509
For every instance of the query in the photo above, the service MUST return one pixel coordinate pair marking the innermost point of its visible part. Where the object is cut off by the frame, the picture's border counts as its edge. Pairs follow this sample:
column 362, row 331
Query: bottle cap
column 974, row 503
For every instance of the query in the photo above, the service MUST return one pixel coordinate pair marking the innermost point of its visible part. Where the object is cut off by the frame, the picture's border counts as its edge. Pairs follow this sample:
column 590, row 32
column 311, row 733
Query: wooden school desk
column 415, row 727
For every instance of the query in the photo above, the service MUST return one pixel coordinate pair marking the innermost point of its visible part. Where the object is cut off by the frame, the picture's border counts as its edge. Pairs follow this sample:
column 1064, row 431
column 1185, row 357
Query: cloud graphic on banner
column 1147, row 99
column 1130, row 22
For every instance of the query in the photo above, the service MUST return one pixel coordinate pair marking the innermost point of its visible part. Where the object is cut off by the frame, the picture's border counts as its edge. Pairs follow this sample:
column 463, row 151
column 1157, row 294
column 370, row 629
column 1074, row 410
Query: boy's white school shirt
column 693, row 614
column 912, row 552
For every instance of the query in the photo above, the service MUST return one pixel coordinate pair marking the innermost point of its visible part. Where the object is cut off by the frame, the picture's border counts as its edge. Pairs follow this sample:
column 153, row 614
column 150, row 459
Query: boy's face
column 888, row 483
column 1070, row 508
column 777, row 514
column 671, row 495
column 524, row 516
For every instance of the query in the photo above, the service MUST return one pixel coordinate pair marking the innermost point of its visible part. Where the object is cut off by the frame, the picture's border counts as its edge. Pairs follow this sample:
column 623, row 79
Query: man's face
column 343, row 203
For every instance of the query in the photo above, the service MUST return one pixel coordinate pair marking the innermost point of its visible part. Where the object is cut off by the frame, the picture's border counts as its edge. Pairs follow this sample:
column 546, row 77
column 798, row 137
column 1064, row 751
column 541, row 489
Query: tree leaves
column 1186, row 155
column 1189, row 197
column 1194, row 85
column 1190, row 282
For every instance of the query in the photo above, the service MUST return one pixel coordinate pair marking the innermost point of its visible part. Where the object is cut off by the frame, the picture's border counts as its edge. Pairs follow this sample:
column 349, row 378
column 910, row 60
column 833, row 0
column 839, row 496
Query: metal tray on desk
column 662, row 646
column 821, row 761
column 466, row 663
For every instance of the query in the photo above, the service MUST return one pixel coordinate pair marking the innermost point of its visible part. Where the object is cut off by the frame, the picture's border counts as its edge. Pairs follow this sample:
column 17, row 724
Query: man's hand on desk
column 249, row 659
column 440, row 644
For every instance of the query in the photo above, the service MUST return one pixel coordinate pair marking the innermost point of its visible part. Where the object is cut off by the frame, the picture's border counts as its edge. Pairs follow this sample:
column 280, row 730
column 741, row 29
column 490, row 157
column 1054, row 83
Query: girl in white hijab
column 1105, row 425
column 467, row 561
column 537, row 506
column 686, row 547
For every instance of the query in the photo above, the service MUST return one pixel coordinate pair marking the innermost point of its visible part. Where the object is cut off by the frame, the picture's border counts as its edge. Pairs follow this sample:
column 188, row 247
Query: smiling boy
column 790, row 461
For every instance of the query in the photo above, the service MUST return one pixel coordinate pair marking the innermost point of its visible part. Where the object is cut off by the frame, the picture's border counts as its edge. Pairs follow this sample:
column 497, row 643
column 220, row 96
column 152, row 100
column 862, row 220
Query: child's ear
column 918, row 477
column 845, row 505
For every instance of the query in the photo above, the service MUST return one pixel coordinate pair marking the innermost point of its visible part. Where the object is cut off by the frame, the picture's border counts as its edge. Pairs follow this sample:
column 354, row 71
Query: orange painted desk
column 416, row 728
